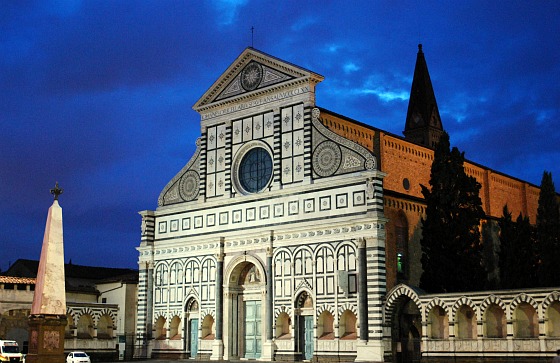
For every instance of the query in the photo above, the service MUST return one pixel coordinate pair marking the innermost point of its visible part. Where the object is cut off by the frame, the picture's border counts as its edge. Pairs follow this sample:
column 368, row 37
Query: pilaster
column 218, row 344
column 268, row 346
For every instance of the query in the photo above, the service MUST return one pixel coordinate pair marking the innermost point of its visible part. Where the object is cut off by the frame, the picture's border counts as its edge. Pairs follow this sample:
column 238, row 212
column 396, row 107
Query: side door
column 193, row 337
column 306, row 336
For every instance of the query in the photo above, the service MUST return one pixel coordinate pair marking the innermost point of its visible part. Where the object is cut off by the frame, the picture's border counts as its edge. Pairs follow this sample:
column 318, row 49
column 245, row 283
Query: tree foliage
column 490, row 250
column 451, row 243
column 518, row 261
column 548, row 233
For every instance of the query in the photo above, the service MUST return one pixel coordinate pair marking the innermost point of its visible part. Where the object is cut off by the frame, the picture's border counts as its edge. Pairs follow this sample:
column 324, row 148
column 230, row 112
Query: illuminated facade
column 292, row 232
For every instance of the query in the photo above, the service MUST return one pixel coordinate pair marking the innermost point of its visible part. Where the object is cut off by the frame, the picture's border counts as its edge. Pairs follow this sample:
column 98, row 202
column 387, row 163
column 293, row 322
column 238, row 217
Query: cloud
column 350, row 67
column 228, row 10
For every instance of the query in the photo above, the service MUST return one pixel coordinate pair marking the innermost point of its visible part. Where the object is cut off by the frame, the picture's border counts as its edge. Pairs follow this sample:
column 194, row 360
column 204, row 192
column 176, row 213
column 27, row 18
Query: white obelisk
column 48, row 312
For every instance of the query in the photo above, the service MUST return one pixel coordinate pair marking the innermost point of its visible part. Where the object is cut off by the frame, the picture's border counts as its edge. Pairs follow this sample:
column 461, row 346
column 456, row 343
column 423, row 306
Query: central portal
column 245, row 309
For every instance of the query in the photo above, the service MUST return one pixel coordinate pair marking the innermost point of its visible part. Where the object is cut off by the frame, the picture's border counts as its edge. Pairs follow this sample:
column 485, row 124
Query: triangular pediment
column 252, row 73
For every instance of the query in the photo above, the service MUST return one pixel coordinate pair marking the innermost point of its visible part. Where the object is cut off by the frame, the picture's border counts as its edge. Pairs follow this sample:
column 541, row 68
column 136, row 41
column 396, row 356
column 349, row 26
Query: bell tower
column 423, row 123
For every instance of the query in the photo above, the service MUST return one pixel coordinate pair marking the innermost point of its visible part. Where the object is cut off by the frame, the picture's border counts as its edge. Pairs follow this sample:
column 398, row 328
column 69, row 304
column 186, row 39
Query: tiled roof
column 16, row 280
column 29, row 268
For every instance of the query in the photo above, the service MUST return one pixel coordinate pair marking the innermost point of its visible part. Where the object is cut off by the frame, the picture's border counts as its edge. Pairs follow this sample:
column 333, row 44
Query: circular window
column 406, row 184
column 255, row 170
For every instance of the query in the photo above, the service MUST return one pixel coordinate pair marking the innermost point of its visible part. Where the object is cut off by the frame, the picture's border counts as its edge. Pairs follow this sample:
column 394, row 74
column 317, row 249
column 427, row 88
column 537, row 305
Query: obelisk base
column 46, row 339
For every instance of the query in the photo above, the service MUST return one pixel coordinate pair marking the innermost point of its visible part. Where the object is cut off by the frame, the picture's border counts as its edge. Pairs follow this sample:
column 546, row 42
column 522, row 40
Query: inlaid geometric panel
column 198, row 222
column 237, row 131
column 258, row 127
column 236, row 216
column 162, row 227
column 250, row 214
column 224, row 218
column 359, row 198
column 264, row 212
column 174, row 225
column 325, row 203
column 341, row 201
column 309, row 205
column 292, row 144
column 330, row 284
column 293, row 208
column 210, row 220
column 247, row 129
column 279, row 210
column 287, row 170
column 186, row 223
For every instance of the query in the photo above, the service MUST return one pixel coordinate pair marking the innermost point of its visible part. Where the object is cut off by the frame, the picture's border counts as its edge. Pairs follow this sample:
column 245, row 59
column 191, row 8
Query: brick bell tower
column 423, row 123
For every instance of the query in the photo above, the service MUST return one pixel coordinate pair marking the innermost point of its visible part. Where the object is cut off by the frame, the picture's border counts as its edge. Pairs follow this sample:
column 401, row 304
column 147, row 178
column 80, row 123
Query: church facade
column 292, row 232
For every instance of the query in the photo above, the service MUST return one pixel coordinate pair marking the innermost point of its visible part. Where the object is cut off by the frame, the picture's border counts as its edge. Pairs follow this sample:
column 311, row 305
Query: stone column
column 218, row 343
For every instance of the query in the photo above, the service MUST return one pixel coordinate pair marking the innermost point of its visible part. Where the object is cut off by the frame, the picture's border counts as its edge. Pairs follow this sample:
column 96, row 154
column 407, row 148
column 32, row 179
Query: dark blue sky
column 97, row 95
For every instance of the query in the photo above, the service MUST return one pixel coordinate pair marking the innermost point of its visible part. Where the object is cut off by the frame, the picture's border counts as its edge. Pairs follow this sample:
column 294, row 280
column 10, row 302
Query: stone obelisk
column 48, row 312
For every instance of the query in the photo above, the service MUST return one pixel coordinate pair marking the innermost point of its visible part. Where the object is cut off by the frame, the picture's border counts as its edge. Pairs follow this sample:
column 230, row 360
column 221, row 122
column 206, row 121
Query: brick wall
column 407, row 166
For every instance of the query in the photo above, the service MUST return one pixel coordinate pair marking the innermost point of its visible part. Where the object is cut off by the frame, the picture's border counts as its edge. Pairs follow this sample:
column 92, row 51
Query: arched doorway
column 405, row 330
column 305, row 319
column 246, row 293
column 192, row 316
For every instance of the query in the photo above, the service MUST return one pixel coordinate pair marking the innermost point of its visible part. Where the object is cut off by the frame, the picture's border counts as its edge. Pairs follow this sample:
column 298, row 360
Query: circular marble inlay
column 326, row 158
column 251, row 76
column 190, row 184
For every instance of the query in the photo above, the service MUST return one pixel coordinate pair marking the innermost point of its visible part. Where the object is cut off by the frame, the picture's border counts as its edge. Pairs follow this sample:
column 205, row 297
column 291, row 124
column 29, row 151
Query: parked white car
column 77, row 357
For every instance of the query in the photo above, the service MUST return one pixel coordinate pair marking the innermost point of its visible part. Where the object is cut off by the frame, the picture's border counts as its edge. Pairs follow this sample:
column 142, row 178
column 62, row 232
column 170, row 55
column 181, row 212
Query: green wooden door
column 253, row 338
column 193, row 337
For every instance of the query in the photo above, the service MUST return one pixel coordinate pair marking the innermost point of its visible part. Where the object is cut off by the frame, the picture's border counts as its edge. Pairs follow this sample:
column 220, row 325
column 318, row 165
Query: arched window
column 176, row 273
column 325, row 325
column 494, row 322
column 283, row 326
column 192, row 273
column 303, row 262
column 162, row 277
column 525, row 322
column 401, row 245
column 438, row 323
column 465, row 323
column 209, row 270
column 553, row 320
column 347, row 326
column 346, row 261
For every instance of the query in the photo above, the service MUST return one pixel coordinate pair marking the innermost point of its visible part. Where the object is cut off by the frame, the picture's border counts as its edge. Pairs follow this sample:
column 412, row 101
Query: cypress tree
column 451, row 243
column 490, row 257
column 548, row 233
column 517, row 252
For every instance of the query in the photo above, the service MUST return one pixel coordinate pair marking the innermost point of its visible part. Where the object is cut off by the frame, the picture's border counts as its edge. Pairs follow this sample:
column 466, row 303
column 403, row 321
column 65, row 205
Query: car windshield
column 10, row 349
column 81, row 355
